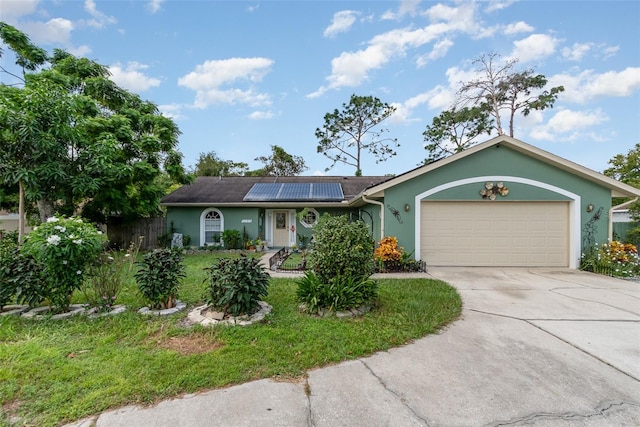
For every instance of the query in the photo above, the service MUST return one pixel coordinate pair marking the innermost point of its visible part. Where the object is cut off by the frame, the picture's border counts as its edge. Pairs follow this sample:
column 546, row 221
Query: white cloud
column 518, row 27
column 13, row 10
column 56, row 30
column 439, row 50
column 407, row 7
column 569, row 125
column 498, row 5
column 132, row 78
column 100, row 20
column 586, row 85
column 350, row 69
column 438, row 99
column 534, row 47
column 261, row 115
column 79, row 51
column 154, row 6
column 173, row 111
column 342, row 22
column 208, row 78
column 577, row 51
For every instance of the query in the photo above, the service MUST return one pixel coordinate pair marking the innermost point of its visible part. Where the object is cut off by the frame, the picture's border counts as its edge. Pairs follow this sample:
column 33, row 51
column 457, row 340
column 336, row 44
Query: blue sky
column 239, row 76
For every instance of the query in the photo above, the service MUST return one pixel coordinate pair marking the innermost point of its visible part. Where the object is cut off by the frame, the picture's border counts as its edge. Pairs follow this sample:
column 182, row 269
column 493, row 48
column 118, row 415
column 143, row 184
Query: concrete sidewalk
column 544, row 347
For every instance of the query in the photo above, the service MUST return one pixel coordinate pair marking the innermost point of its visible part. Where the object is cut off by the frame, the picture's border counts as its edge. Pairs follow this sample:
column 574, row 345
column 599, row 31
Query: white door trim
column 269, row 225
column 574, row 208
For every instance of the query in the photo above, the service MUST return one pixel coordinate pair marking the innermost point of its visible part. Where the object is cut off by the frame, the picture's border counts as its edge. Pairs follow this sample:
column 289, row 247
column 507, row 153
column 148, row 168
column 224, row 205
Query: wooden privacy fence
column 145, row 231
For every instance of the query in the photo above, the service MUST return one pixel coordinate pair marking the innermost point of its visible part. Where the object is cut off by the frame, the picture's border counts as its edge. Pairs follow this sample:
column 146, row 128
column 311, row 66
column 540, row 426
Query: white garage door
column 485, row 233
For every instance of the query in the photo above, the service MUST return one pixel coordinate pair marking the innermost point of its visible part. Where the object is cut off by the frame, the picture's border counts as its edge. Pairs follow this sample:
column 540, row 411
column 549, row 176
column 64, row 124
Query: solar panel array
column 295, row 192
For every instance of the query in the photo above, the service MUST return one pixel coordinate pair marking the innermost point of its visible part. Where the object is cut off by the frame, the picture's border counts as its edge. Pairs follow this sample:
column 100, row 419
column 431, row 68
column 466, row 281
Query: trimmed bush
column 339, row 266
column 159, row 277
column 236, row 285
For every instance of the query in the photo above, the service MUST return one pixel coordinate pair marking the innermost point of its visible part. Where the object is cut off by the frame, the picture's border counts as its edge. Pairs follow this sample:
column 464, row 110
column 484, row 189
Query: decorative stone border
column 38, row 313
column 165, row 312
column 116, row 309
column 205, row 317
column 13, row 309
column 354, row 312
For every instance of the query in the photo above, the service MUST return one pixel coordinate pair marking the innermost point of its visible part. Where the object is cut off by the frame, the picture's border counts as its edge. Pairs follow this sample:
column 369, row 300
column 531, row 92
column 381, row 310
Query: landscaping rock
column 206, row 317
column 43, row 312
column 13, row 309
column 165, row 312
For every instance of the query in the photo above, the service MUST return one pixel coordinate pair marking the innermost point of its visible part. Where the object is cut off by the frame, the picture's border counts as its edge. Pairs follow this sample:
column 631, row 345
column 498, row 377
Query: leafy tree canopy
column 281, row 163
column 209, row 164
column 78, row 143
column 347, row 133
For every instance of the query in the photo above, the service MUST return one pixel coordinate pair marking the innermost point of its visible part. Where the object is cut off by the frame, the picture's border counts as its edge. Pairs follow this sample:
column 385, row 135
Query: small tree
column 209, row 164
column 455, row 130
column 347, row 133
column 281, row 163
column 626, row 168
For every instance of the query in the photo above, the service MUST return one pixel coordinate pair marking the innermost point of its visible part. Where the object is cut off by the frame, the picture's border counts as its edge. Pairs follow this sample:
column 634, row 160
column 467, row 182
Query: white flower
column 64, row 262
column 99, row 232
column 78, row 241
column 53, row 240
column 110, row 258
column 52, row 219
column 60, row 228
column 127, row 255
column 79, row 272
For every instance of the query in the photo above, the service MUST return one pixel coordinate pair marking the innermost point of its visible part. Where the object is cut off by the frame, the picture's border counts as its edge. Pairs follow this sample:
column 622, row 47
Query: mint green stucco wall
column 497, row 161
column 186, row 220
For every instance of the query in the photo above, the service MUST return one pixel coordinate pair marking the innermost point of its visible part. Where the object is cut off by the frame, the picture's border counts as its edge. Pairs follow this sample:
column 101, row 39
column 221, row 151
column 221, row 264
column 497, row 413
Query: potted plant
column 259, row 244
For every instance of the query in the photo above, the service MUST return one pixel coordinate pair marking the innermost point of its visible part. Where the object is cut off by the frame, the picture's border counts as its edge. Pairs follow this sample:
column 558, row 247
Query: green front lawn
column 54, row 372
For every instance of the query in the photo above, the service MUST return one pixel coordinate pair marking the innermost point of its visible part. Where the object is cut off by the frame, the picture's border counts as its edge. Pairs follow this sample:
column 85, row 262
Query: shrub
column 236, row 285
column 615, row 259
column 65, row 247
column 159, row 276
column 342, row 293
column 105, row 277
column 391, row 257
column 339, row 266
column 231, row 239
column 341, row 248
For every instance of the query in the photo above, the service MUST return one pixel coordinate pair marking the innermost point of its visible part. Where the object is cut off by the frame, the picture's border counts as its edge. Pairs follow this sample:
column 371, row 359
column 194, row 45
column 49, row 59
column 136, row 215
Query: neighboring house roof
column 618, row 189
column 233, row 190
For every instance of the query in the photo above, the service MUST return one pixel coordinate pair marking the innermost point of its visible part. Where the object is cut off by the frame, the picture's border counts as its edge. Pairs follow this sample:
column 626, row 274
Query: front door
column 281, row 228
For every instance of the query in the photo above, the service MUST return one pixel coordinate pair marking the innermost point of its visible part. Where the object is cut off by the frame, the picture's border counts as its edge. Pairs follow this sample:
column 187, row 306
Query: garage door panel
column 495, row 233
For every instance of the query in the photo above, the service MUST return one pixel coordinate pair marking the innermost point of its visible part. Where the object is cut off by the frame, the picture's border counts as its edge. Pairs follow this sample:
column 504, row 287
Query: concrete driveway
column 543, row 347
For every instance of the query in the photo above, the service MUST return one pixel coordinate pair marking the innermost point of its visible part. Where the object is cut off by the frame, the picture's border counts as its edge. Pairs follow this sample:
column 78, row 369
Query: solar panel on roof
column 295, row 191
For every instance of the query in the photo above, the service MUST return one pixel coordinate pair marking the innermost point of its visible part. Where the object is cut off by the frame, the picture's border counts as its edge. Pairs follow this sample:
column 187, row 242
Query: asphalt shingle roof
column 232, row 189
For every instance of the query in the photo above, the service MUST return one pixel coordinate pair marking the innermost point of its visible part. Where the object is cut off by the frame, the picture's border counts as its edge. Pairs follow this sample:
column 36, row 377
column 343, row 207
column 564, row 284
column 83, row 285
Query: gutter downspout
column 375, row 202
column 621, row 205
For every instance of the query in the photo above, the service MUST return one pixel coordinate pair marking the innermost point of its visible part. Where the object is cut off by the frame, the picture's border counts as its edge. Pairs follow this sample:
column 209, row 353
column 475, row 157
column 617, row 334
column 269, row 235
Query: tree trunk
column 21, row 216
column 45, row 208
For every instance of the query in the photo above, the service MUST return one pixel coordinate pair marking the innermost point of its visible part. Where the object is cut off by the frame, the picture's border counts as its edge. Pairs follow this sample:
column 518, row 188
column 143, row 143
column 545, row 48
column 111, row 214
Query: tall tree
column 454, row 131
column 79, row 142
column 209, row 164
column 502, row 90
column 281, row 163
column 347, row 133
column 28, row 58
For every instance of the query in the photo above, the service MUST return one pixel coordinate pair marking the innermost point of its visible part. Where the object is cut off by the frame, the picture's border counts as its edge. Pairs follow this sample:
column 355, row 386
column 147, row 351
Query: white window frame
column 306, row 224
column 203, row 230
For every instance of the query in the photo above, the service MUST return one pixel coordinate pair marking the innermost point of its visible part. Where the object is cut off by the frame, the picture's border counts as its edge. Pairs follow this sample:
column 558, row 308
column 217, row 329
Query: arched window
column 211, row 227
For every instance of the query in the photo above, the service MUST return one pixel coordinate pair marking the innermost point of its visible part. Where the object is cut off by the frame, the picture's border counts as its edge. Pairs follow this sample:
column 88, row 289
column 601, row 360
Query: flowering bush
column 65, row 247
column 159, row 275
column 391, row 257
column 388, row 250
column 614, row 259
